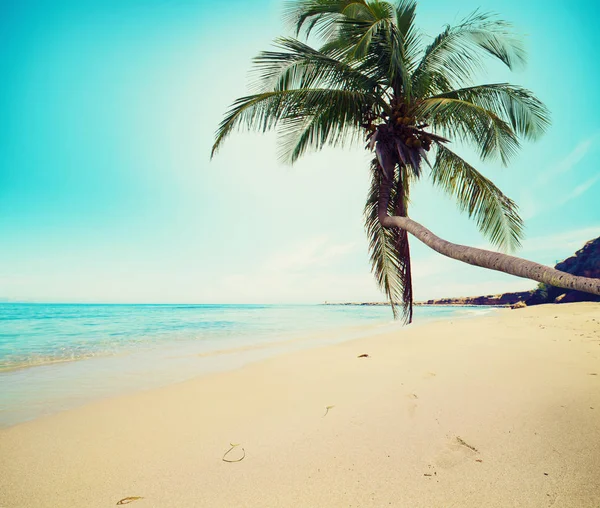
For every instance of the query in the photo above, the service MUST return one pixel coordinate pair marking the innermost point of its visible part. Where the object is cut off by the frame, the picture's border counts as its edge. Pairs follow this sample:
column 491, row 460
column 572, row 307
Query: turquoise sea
column 59, row 356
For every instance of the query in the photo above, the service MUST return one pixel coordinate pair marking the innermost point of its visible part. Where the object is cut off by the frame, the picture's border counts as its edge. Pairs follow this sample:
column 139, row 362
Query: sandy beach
column 495, row 411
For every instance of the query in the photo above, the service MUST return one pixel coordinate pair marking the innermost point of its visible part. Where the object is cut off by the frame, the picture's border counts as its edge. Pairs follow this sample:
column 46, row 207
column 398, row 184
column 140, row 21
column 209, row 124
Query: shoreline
column 30, row 391
column 419, row 304
column 10, row 362
column 495, row 411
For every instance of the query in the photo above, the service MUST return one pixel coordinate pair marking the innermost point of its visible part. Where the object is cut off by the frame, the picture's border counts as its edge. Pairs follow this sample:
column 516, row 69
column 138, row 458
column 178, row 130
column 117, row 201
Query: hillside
column 585, row 262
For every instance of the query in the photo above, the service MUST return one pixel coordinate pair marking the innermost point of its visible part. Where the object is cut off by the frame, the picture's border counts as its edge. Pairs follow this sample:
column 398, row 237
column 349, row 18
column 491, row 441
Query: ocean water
column 58, row 356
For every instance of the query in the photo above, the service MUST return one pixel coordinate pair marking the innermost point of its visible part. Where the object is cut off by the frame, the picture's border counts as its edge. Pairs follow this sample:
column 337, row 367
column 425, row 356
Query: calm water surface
column 54, row 357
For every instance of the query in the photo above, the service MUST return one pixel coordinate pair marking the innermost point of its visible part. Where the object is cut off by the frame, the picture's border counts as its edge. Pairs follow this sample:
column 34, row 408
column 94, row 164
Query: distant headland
column 585, row 262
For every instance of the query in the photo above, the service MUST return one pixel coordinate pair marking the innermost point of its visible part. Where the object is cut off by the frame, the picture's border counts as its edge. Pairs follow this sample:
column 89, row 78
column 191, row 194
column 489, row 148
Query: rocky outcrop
column 586, row 263
column 505, row 299
column 360, row 304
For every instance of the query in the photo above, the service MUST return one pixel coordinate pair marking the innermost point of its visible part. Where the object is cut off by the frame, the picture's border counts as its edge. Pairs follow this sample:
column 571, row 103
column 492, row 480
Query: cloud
column 530, row 207
column 477, row 288
column 570, row 161
column 559, row 242
column 303, row 273
column 260, row 287
column 580, row 189
column 432, row 265
column 316, row 252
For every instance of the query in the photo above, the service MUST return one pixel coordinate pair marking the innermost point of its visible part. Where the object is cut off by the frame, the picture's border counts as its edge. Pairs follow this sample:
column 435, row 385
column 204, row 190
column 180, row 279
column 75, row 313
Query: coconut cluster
column 406, row 128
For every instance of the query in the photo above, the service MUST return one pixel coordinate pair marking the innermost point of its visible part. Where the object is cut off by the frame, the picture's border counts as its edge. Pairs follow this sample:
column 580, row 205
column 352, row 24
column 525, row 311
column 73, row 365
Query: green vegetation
column 375, row 78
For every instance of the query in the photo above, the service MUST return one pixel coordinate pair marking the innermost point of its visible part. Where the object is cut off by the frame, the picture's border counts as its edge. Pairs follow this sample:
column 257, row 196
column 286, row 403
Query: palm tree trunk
column 492, row 260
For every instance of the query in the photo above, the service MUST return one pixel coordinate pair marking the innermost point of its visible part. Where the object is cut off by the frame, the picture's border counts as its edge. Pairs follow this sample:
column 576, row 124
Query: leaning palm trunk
column 375, row 78
column 493, row 260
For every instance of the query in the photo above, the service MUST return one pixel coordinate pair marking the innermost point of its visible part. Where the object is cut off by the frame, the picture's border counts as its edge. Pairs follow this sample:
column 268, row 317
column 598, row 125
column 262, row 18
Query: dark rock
column 505, row 299
column 585, row 263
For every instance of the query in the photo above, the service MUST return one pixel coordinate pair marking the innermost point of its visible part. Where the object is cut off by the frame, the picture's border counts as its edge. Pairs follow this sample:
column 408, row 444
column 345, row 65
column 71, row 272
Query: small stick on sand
column 327, row 408
column 127, row 500
column 464, row 443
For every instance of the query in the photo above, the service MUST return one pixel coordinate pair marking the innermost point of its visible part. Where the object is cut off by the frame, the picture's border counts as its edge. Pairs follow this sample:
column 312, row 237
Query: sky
column 107, row 192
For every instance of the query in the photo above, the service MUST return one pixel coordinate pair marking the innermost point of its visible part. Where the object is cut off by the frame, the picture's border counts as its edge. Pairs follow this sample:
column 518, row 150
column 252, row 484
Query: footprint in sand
column 455, row 451
column 412, row 405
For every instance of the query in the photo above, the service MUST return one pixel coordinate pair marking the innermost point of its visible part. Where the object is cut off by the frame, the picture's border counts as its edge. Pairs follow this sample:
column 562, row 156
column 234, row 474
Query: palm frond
column 361, row 24
column 389, row 249
column 496, row 215
column 357, row 31
column 527, row 115
column 457, row 118
column 304, row 16
column 458, row 52
column 336, row 123
column 406, row 11
column 301, row 66
column 373, row 75
column 400, row 207
column 404, row 42
column 266, row 111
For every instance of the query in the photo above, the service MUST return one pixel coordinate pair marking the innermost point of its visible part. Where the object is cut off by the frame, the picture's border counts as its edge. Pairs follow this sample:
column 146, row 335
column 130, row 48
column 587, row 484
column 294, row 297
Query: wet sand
column 495, row 411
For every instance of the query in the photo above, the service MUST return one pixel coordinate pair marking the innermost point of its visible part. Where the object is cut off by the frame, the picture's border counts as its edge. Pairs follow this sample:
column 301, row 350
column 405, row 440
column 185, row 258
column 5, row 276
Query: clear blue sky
column 107, row 115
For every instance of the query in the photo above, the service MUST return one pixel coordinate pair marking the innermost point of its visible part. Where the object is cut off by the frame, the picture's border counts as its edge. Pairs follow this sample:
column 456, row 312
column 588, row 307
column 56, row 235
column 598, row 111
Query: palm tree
column 374, row 79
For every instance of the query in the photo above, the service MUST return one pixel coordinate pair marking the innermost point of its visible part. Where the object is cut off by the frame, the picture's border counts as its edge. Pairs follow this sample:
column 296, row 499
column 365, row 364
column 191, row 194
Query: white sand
column 521, row 387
